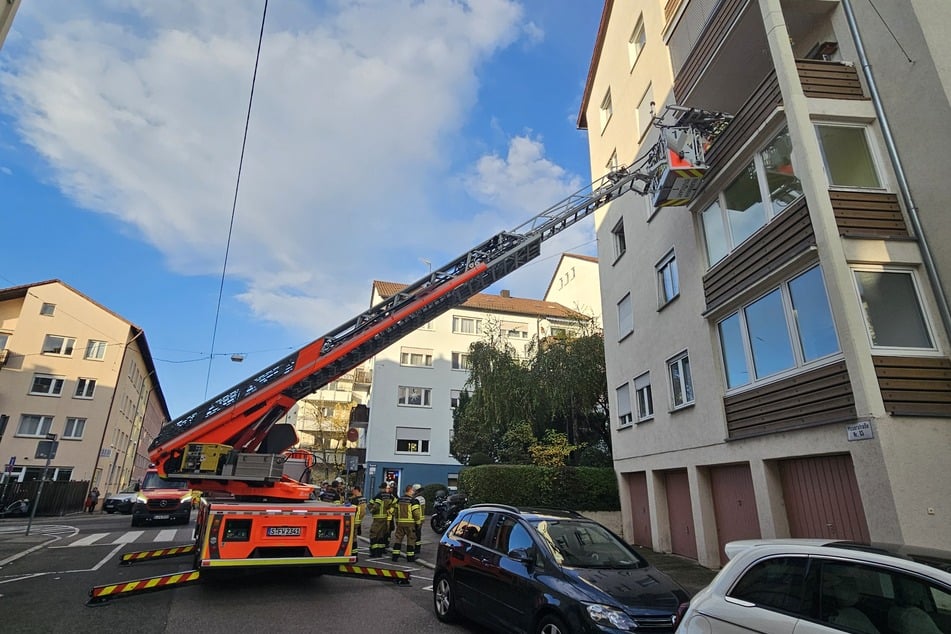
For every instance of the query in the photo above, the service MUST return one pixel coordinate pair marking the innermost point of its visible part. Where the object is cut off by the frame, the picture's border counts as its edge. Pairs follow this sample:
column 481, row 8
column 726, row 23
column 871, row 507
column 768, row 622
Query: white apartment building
column 777, row 349
column 74, row 370
column 576, row 285
column 417, row 381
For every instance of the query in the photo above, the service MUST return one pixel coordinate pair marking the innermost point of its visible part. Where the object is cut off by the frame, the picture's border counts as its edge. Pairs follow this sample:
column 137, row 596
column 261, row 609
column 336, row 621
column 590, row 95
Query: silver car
column 813, row 586
column 121, row 502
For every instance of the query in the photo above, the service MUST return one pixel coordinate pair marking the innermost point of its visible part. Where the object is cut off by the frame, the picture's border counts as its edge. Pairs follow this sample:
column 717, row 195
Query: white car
column 808, row 586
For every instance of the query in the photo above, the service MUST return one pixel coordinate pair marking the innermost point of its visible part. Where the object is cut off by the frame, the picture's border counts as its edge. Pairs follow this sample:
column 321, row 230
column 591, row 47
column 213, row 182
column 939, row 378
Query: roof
column 138, row 334
column 595, row 56
column 496, row 303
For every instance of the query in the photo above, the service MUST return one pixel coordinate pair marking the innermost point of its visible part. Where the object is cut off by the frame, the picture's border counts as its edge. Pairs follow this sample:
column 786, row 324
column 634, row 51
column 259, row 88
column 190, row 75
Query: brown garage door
column 683, row 539
column 640, row 509
column 734, row 505
column 822, row 498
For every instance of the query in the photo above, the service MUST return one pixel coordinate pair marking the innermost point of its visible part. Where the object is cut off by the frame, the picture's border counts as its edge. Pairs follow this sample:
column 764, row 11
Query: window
column 668, row 285
column 645, row 111
column 624, row 416
column 460, row 361
column 786, row 328
column 620, row 244
column 414, row 396
column 606, row 109
column 47, row 310
column 644, row 398
column 467, row 325
column 847, row 156
column 774, row 583
column 636, row 42
column 471, row 527
column 511, row 535
column 412, row 440
column 416, row 357
column 454, row 396
column 4, row 338
column 625, row 317
column 47, row 385
column 892, row 309
column 95, row 350
column 85, row 388
column 34, row 425
column 74, row 428
column 681, row 384
column 54, row 344
column 518, row 329
column 765, row 187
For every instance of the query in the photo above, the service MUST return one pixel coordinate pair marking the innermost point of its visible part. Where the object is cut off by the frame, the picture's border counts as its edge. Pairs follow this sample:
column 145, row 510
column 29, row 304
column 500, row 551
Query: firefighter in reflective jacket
column 407, row 517
column 417, row 489
column 360, row 505
column 381, row 510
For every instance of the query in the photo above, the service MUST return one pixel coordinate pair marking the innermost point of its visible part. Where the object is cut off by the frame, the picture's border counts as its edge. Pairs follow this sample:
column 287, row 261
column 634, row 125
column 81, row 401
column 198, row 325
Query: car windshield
column 153, row 481
column 582, row 544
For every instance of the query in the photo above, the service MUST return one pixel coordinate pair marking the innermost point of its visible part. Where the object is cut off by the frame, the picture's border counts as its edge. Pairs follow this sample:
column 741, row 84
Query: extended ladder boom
column 242, row 418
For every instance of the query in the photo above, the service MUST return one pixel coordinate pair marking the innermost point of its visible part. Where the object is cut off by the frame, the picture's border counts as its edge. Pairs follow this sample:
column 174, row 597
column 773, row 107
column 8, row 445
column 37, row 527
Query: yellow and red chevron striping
column 385, row 573
column 117, row 590
column 155, row 554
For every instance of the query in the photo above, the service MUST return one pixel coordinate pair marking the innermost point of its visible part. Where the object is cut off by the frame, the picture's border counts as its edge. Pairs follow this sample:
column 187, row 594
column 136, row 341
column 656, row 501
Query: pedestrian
column 381, row 510
column 92, row 499
column 407, row 517
column 417, row 492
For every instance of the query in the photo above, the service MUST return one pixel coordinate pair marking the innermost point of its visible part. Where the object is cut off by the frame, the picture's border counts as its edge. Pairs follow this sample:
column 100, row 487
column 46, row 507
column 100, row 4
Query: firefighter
column 417, row 490
column 407, row 517
column 360, row 504
column 381, row 510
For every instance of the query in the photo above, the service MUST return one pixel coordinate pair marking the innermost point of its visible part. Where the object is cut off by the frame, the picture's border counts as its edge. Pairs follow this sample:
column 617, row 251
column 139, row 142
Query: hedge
column 576, row 488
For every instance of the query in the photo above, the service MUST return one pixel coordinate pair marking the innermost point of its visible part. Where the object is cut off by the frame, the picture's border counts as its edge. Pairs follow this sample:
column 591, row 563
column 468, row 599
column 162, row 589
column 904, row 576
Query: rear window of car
column 775, row 583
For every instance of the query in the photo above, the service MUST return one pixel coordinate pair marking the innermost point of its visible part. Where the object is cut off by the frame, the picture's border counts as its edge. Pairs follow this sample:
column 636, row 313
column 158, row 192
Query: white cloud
column 139, row 110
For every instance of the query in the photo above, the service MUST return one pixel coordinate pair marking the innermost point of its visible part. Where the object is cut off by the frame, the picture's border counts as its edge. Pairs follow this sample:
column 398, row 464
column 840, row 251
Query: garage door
column 822, row 498
column 640, row 509
column 683, row 540
column 734, row 505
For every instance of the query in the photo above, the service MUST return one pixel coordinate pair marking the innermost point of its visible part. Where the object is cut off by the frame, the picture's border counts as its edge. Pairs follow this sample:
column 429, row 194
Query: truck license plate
column 162, row 516
column 283, row 531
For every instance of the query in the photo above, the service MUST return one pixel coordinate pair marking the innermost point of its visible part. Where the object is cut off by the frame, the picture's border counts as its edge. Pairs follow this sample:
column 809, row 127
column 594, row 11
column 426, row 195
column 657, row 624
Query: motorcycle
column 17, row 508
column 445, row 510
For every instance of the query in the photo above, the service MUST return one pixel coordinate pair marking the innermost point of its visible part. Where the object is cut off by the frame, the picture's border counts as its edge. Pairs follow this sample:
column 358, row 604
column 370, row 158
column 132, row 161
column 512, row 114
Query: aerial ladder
column 233, row 447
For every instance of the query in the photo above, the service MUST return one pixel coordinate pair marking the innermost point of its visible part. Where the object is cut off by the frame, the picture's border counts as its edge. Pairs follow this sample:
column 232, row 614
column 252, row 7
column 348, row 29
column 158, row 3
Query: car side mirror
column 523, row 555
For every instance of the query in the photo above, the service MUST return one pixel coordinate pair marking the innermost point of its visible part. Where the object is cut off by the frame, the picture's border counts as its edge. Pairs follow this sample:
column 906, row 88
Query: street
column 46, row 589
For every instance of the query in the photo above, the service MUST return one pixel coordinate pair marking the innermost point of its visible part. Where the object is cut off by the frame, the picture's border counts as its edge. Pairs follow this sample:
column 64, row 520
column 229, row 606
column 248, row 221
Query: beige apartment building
column 778, row 347
column 74, row 370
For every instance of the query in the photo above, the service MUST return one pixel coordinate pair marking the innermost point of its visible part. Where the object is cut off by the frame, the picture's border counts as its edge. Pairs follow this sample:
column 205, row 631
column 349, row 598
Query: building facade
column 77, row 372
column 778, row 348
column 576, row 284
column 417, row 382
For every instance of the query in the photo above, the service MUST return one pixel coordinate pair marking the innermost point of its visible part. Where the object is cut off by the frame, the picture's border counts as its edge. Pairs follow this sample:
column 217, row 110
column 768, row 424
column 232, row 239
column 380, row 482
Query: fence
column 59, row 498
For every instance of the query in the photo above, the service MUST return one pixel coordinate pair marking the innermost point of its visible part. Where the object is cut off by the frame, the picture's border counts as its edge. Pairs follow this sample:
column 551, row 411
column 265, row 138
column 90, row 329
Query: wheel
column 438, row 525
column 551, row 624
column 444, row 600
column 110, row 511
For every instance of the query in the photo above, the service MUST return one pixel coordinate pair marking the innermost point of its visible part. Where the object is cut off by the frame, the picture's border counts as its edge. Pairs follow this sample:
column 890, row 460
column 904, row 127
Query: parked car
column 120, row 502
column 548, row 572
column 812, row 586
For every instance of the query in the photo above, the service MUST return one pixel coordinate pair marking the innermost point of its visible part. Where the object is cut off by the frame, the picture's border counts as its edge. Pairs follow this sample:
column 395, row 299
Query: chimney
column 505, row 293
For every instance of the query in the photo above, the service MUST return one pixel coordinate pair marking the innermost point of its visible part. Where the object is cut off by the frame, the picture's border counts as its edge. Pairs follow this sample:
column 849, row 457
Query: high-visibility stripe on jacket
column 407, row 510
column 381, row 507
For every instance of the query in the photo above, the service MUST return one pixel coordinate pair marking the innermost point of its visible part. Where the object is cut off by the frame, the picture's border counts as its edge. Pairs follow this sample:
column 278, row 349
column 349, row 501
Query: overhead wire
column 234, row 203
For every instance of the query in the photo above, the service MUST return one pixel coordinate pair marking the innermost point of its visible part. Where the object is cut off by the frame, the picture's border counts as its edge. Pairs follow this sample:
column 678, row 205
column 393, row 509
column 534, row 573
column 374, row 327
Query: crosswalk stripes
column 168, row 535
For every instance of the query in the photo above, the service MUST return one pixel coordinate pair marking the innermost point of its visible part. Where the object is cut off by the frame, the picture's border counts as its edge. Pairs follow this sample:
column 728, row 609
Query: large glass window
column 412, row 440
column 847, row 156
column 95, row 350
column 54, row 344
column 788, row 327
column 892, row 309
column 418, row 357
column 467, row 325
column 74, row 428
column 34, row 425
column 761, row 191
column 414, row 396
column 681, row 383
column 47, row 385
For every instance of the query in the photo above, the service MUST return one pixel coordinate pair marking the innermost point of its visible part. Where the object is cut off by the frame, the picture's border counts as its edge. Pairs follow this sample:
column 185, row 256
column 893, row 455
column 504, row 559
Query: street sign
column 46, row 449
column 861, row 430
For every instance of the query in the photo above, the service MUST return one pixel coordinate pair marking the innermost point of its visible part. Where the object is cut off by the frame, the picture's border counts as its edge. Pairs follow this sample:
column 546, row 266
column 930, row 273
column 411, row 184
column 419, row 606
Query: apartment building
column 778, row 347
column 417, row 382
column 576, row 284
column 74, row 371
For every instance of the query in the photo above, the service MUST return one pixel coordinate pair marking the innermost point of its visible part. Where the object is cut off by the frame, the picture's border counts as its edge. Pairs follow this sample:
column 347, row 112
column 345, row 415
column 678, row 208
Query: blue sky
column 383, row 133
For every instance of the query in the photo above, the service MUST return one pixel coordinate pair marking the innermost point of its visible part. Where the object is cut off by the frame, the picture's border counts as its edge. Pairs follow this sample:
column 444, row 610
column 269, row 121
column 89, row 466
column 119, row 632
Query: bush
column 575, row 488
column 477, row 459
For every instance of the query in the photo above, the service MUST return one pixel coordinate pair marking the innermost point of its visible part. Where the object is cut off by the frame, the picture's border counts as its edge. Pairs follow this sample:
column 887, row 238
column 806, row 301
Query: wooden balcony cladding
column 915, row 386
column 709, row 41
column 868, row 215
column 829, row 80
column 751, row 115
column 817, row 397
column 778, row 242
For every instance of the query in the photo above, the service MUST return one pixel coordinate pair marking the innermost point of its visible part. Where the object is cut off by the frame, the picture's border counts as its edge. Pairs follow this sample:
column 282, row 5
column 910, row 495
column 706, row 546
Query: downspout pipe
column 929, row 264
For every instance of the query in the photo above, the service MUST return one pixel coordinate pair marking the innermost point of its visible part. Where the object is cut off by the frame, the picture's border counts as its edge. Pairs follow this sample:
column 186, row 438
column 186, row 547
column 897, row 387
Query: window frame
column 95, row 350
column 678, row 361
column 637, row 41
column 458, row 320
column 459, row 361
column 870, row 146
column 642, row 387
column 84, row 385
column 624, row 419
column 642, row 118
column 605, row 109
column 47, row 309
column 624, row 334
column 929, row 326
column 421, row 436
column 403, row 397
column 666, row 264
column 44, row 429
column 72, row 423
column 66, row 343
column 620, row 240
column 56, row 384
column 407, row 353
